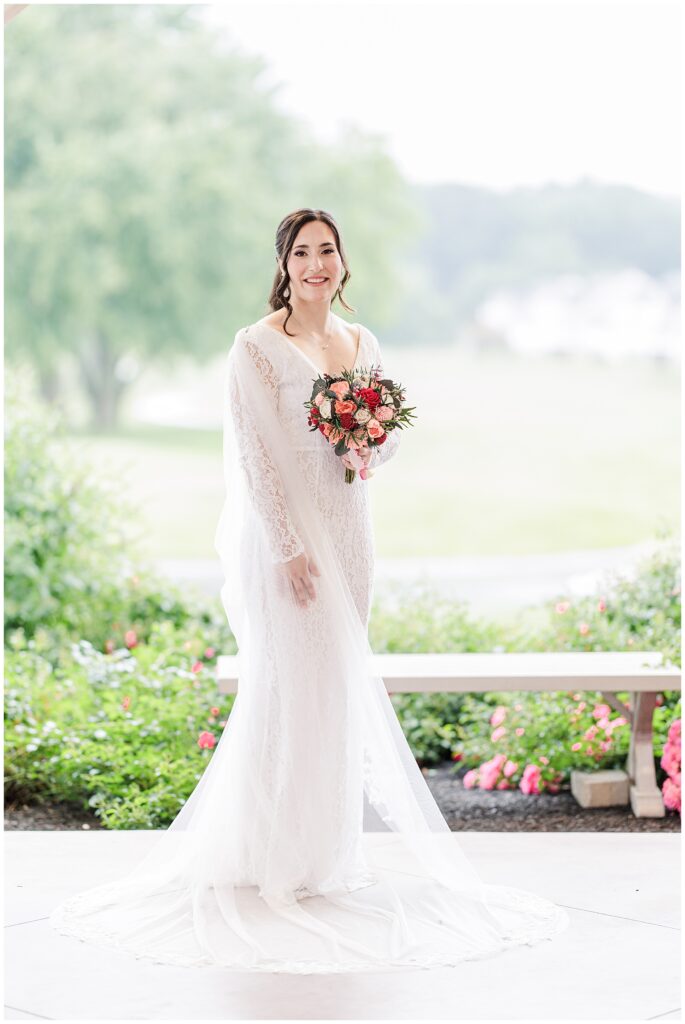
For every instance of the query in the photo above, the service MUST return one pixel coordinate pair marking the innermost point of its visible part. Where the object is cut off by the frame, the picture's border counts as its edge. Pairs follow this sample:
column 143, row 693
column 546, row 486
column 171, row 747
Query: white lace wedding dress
column 312, row 842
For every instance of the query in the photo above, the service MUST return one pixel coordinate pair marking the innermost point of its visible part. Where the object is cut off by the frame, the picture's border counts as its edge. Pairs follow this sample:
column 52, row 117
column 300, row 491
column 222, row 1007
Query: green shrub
column 115, row 732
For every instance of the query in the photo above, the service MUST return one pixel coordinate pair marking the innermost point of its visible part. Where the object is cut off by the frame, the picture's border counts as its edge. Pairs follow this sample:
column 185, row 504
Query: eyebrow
column 301, row 245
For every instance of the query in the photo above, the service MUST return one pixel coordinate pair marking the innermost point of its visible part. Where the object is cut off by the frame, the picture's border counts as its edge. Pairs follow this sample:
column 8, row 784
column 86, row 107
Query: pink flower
column 671, row 793
column 319, row 398
column 206, row 740
column 519, row 731
column 498, row 716
column 126, row 703
column 509, row 768
column 470, row 778
column 583, row 628
column 530, row 782
column 615, row 723
column 498, row 733
column 674, row 731
column 590, row 733
column 374, row 428
column 489, row 774
column 603, row 723
column 561, row 607
column 601, row 605
column 340, row 388
column 581, row 706
column 670, row 760
column 214, row 711
column 130, row 638
column 499, row 759
column 196, row 666
column 503, row 784
column 543, row 760
column 576, row 746
column 605, row 745
column 384, row 413
column 601, row 711
column 209, row 652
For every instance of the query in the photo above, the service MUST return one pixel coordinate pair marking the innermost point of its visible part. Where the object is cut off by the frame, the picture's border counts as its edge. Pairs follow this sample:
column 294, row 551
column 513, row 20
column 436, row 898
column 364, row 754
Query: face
column 314, row 256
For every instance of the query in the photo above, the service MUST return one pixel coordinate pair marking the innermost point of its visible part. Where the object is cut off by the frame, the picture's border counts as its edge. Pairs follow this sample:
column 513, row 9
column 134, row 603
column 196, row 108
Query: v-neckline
column 311, row 362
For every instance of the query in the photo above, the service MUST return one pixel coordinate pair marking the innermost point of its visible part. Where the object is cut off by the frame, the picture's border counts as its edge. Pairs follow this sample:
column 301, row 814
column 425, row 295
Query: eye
column 303, row 253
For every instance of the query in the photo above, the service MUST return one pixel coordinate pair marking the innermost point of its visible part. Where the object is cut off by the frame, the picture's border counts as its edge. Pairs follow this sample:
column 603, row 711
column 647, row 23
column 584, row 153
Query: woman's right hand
column 299, row 571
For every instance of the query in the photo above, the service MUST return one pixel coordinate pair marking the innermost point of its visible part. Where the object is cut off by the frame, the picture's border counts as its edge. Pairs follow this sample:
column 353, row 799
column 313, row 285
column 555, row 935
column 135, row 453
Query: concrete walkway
column 494, row 585
column 618, row 959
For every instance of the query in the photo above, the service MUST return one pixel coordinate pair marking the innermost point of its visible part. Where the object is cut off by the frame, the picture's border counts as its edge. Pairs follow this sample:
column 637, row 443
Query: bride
column 312, row 842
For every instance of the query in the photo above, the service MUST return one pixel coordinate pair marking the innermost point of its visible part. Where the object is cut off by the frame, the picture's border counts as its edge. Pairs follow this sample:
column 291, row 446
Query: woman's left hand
column 364, row 454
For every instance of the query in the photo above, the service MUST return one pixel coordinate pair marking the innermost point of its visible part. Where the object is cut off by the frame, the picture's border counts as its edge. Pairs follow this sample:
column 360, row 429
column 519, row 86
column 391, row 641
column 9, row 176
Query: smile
column 315, row 281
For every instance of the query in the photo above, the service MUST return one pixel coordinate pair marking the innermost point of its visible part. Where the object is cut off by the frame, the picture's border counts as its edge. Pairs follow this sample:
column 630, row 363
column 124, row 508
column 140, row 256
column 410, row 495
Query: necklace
column 328, row 333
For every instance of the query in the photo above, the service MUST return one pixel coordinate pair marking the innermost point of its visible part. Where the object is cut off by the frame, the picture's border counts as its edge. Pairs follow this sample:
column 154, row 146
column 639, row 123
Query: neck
column 316, row 319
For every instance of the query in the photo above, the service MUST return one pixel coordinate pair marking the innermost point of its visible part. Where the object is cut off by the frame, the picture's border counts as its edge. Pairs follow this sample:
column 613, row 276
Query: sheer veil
column 312, row 841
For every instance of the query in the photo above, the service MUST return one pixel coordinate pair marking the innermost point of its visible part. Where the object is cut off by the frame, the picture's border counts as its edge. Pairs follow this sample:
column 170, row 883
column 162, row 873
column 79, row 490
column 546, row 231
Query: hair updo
column 286, row 234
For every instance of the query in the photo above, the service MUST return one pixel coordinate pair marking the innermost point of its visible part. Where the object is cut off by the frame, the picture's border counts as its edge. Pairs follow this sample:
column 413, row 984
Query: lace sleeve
column 263, row 481
column 392, row 440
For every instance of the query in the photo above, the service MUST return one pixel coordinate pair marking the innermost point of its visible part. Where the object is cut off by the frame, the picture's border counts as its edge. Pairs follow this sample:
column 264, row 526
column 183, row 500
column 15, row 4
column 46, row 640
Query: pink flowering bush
column 671, row 761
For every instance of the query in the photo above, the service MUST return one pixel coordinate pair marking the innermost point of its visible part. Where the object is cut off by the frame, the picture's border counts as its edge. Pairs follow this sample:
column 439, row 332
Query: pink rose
column 206, row 740
column 499, row 759
column 326, row 428
column 576, row 746
column 340, row 388
column 509, row 768
column 530, row 782
column 384, row 413
column 374, row 428
column 601, row 605
column 674, row 731
column 670, row 760
column 519, row 731
column 498, row 715
column 561, row 607
column 470, row 778
column 671, row 793
column 583, row 628
column 497, row 734
column 601, row 711
column 603, row 723
column 590, row 733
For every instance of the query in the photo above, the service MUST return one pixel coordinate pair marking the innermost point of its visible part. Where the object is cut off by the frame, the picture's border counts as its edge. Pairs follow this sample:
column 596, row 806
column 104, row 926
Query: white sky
column 484, row 93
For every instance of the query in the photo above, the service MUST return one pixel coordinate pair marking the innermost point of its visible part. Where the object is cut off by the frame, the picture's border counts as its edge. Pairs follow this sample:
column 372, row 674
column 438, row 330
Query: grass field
column 507, row 456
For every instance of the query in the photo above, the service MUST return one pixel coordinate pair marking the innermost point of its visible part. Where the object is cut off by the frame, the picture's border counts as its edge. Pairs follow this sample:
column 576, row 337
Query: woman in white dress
column 312, row 842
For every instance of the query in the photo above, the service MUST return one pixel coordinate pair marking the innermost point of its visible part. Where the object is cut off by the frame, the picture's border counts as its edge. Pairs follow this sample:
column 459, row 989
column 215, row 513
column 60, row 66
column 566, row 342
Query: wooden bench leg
column 645, row 796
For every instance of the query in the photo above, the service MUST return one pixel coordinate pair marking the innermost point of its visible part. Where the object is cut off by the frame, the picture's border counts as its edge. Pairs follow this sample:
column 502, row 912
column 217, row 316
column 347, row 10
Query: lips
column 315, row 280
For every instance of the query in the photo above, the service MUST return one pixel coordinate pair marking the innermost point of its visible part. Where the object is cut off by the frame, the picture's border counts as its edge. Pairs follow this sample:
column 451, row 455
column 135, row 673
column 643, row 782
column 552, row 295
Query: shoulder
column 262, row 343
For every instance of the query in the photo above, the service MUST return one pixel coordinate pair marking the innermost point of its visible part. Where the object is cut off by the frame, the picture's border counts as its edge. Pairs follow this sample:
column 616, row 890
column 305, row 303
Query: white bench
column 640, row 673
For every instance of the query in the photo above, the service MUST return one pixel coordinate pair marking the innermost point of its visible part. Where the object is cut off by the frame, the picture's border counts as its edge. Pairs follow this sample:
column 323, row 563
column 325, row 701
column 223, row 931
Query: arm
column 392, row 440
column 263, row 481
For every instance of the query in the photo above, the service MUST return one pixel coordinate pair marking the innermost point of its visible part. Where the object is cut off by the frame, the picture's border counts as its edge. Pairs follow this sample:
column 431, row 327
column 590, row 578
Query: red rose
column 370, row 397
column 314, row 412
column 381, row 439
column 346, row 420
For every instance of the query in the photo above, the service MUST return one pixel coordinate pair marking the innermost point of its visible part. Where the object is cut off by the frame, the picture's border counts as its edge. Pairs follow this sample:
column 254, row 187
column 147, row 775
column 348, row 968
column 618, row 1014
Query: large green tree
column 147, row 167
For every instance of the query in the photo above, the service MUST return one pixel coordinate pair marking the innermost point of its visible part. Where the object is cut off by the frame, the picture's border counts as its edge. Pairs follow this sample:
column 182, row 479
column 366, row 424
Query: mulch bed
column 466, row 810
column 480, row 810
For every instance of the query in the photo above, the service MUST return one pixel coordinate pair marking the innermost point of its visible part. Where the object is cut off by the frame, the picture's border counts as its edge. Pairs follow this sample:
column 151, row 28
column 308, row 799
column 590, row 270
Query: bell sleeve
column 264, row 484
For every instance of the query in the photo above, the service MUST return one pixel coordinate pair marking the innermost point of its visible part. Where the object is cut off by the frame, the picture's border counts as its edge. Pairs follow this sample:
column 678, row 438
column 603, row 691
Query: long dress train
column 312, row 842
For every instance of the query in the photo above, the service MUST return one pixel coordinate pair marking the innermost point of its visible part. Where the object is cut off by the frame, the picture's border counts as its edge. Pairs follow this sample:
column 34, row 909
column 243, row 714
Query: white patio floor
column 618, row 960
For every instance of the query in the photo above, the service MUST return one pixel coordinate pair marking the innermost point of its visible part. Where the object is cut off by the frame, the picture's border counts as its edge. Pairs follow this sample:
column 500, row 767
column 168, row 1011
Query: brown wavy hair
column 286, row 234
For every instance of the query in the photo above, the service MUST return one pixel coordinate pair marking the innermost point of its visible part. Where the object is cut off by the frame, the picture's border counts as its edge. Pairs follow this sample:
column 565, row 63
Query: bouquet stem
column 349, row 475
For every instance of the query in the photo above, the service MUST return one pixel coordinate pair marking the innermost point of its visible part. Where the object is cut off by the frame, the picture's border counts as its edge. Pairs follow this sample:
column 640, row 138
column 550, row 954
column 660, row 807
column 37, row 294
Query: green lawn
column 507, row 456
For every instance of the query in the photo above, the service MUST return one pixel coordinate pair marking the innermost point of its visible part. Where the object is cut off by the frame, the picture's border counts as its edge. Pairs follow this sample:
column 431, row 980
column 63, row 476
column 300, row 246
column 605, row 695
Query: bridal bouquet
column 357, row 410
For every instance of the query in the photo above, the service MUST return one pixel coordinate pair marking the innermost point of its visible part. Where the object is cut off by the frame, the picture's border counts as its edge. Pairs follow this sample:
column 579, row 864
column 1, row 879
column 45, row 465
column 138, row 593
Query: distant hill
column 476, row 241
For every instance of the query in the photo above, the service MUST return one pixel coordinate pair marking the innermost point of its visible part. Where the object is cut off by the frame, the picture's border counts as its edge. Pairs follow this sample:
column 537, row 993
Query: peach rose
column 374, row 428
column 342, row 407
column 340, row 388
column 326, row 428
